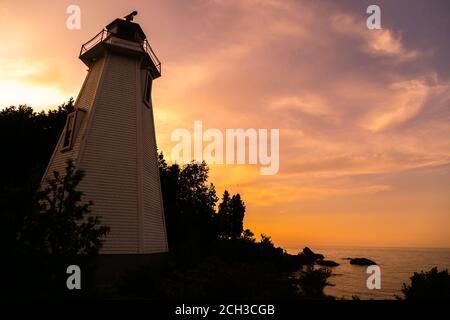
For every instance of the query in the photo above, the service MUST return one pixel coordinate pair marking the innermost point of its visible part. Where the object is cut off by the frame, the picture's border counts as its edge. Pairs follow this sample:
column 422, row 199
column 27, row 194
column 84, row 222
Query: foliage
column 189, row 206
column 57, row 231
column 230, row 216
column 430, row 285
column 248, row 235
column 62, row 225
column 312, row 281
column 193, row 225
column 28, row 140
column 266, row 240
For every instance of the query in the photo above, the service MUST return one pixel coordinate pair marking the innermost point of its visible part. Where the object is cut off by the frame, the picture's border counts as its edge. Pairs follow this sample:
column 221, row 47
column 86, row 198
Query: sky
column 363, row 114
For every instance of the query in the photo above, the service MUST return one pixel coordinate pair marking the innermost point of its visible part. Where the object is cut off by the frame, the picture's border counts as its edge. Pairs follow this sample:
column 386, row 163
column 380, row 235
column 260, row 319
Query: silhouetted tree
column 248, row 235
column 62, row 225
column 189, row 206
column 230, row 216
column 169, row 189
column 28, row 139
column 237, row 208
column 312, row 282
column 57, row 232
column 430, row 285
column 224, row 216
column 266, row 241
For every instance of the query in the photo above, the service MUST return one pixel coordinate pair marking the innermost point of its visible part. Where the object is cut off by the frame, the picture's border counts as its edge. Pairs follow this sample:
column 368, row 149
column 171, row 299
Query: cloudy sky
column 363, row 114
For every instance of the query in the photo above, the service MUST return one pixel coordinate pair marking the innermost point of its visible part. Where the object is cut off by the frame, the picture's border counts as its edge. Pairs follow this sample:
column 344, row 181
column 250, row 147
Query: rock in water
column 327, row 263
column 362, row 262
column 310, row 255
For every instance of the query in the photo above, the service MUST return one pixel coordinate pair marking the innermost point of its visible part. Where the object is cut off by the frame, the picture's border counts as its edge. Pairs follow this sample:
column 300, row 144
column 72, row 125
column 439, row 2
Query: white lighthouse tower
column 111, row 137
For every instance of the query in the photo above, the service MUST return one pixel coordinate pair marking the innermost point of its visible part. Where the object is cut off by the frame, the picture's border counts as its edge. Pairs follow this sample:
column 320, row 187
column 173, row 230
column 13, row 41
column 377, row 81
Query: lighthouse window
column 68, row 134
column 148, row 88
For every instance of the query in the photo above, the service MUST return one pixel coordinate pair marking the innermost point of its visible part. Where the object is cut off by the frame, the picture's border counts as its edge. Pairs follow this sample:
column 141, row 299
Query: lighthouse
column 110, row 136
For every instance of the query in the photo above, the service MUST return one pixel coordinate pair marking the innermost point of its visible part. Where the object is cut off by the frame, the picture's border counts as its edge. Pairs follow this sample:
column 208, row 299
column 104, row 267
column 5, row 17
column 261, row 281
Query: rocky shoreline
column 317, row 258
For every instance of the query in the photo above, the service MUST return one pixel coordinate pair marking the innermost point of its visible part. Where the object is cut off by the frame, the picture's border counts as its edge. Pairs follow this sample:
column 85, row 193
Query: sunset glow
column 363, row 114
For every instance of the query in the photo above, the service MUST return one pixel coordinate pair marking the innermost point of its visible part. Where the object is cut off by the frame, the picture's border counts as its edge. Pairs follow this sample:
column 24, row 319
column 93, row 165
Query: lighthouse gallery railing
column 105, row 34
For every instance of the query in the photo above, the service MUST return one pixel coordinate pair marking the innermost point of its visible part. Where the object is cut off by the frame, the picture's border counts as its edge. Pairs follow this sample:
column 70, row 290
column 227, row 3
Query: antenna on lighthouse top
column 130, row 16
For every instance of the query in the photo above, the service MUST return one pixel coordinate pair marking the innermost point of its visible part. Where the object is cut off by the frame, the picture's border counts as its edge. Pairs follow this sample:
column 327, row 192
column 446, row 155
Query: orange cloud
column 383, row 42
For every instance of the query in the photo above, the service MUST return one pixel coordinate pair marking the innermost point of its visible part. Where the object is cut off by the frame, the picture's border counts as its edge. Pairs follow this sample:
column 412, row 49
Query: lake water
column 397, row 266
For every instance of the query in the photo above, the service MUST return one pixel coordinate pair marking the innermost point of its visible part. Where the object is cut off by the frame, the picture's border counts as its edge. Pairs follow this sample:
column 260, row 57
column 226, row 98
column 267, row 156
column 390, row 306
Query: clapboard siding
column 84, row 100
column 109, row 158
column 116, row 148
column 153, row 222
